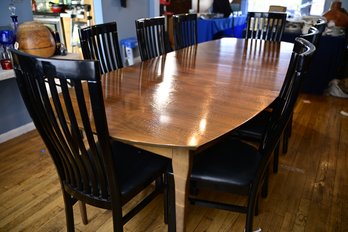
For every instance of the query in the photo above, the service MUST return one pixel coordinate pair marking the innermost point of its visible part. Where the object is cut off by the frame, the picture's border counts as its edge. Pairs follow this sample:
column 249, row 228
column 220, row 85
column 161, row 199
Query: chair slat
column 184, row 30
column 265, row 25
column 100, row 42
column 151, row 37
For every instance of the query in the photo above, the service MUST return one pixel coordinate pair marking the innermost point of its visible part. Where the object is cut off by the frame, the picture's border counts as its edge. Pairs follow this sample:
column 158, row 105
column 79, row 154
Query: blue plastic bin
column 130, row 50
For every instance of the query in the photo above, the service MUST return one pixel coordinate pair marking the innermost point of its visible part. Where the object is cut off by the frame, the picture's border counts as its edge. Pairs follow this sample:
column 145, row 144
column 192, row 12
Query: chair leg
column 290, row 124
column 285, row 139
column 257, row 206
column 83, row 212
column 287, row 133
column 166, row 199
column 264, row 188
column 117, row 219
column 171, row 204
column 69, row 214
column 250, row 213
column 276, row 158
column 159, row 184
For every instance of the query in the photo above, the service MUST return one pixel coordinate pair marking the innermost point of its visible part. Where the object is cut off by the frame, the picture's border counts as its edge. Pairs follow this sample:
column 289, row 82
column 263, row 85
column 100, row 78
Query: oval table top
column 190, row 97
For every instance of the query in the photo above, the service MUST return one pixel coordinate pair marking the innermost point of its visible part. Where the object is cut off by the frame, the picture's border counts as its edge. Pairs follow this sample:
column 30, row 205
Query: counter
column 6, row 74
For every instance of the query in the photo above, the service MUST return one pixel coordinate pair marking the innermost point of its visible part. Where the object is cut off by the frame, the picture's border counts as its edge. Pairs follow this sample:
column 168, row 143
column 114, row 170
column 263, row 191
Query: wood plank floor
column 310, row 192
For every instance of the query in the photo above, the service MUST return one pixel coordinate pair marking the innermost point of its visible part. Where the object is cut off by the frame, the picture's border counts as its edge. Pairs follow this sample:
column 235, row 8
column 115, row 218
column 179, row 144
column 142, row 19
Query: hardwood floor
column 309, row 193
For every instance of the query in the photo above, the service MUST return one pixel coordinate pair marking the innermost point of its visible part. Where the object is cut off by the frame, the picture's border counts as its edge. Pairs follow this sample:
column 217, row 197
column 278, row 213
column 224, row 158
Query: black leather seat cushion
column 231, row 162
column 136, row 168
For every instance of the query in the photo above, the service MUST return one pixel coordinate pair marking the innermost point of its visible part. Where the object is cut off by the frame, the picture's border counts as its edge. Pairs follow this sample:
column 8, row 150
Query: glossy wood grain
column 192, row 96
column 181, row 102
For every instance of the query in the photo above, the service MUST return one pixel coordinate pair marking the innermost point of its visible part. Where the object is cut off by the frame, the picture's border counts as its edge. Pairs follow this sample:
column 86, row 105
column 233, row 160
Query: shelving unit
column 14, row 117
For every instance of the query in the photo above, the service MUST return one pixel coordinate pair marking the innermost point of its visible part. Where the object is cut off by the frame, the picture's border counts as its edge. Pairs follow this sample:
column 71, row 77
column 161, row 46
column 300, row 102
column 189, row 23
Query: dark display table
column 209, row 29
column 328, row 60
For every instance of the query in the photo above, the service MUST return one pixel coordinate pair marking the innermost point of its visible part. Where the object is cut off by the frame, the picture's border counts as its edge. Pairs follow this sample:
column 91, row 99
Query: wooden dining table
column 180, row 103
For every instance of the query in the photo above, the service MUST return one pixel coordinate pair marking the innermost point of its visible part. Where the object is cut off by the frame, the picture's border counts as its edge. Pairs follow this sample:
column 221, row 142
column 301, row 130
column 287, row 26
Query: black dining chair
column 321, row 24
column 233, row 166
column 151, row 35
column 253, row 129
column 265, row 25
column 64, row 97
column 100, row 42
column 184, row 30
column 313, row 35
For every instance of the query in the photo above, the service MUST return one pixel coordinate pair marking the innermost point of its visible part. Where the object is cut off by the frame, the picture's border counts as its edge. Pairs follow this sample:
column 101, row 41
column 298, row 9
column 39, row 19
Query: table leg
column 182, row 163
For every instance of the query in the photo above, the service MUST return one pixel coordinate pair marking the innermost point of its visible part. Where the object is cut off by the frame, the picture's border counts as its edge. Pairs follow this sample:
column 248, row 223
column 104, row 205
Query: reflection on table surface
column 190, row 85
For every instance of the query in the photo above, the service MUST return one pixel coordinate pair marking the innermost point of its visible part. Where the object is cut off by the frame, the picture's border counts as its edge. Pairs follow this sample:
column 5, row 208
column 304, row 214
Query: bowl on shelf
column 57, row 8
column 36, row 39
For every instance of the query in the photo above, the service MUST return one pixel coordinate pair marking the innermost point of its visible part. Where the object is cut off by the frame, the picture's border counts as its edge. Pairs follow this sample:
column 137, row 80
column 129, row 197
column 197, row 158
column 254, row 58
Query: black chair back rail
column 100, row 42
column 184, row 30
column 321, row 24
column 265, row 25
column 237, row 167
column 313, row 36
column 151, row 37
column 63, row 97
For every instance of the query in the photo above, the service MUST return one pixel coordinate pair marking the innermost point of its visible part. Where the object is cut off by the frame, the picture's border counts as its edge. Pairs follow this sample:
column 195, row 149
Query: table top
column 190, row 97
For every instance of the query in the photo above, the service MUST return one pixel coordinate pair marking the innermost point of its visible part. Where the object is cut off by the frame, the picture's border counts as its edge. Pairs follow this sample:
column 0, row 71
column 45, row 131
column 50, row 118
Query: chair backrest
column 299, row 63
column 312, row 36
column 184, row 30
column 84, row 162
column 301, row 56
column 321, row 24
column 265, row 25
column 276, row 8
column 100, row 42
column 151, row 37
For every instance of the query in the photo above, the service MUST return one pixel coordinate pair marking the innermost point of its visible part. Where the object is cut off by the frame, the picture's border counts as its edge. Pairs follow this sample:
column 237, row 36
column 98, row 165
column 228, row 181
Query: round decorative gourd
column 36, row 39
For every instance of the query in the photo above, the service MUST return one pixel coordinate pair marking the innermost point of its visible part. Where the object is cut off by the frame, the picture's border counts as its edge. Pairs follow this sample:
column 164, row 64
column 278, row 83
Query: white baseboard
column 17, row 132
